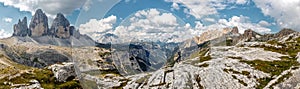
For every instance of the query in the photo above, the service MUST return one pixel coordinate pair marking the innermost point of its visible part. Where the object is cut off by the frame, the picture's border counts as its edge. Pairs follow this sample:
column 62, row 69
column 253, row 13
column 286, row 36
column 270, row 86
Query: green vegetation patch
column 103, row 54
column 201, row 55
column 204, row 65
column 143, row 79
column 289, row 48
column 263, row 82
column 281, row 79
column 45, row 77
column 246, row 73
column 272, row 67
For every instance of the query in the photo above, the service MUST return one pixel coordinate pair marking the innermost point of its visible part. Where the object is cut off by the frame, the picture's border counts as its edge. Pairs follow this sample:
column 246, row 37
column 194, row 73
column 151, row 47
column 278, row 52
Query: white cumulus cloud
column 8, row 20
column 95, row 28
column 4, row 34
column 285, row 12
column 151, row 25
column 210, row 19
column 147, row 25
column 242, row 22
column 264, row 23
column 51, row 7
column 200, row 8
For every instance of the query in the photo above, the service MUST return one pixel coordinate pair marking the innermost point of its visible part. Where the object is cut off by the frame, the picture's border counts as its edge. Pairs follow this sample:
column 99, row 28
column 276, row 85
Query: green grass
column 143, row 79
column 205, row 58
column 45, row 77
column 88, row 84
column 281, row 79
column 204, row 65
column 263, row 82
column 246, row 73
column 289, row 48
column 103, row 54
column 242, row 82
column 275, row 68
column 202, row 55
column 272, row 67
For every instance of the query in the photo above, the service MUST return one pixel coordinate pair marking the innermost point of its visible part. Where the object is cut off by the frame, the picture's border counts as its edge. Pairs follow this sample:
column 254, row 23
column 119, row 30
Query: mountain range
column 39, row 56
column 60, row 33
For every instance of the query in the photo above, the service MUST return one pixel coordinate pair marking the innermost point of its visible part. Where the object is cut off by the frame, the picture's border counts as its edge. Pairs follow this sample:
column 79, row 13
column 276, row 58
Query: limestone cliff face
column 38, row 27
column 39, row 24
column 61, row 27
column 60, row 33
column 21, row 28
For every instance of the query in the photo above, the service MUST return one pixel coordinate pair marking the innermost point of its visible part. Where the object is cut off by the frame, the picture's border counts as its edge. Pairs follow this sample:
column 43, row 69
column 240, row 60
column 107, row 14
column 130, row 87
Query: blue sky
column 263, row 16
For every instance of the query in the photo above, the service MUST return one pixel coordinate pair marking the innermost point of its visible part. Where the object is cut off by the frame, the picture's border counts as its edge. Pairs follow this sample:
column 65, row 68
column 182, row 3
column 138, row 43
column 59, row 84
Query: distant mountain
column 60, row 33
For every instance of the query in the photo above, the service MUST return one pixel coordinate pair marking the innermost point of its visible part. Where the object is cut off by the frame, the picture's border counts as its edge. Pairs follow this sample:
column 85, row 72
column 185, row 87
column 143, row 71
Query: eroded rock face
column 40, row 58
column 61, row 27
column 21, row 29
column 284, row 32
column 235, row 30
column 63, row 72
column 250, row 35
column 39, row 24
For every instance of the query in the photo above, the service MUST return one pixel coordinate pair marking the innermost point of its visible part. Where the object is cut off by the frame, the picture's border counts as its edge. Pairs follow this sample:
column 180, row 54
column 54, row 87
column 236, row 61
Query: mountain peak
column 21, row 29
column 60, row 26
column 284, row 31
column 38, row 11
column 39, row 24
column 60, row 15
column 60, row 20
column 235, row 30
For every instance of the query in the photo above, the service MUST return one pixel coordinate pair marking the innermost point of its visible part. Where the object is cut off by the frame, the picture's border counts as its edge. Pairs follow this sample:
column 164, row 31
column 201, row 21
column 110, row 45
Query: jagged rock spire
column 39, row 24
column 21, row 28
column 60, row 26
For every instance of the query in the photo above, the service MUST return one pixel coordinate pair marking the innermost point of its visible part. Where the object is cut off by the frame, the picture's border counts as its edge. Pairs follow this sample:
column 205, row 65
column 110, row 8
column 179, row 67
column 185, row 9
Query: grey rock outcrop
column 39, row 24
column 39, row 58
column 235, row 30
column 60, row 33
column 61, row 27
column 249, row 35
column 21, row 29
column 284, row 32
column 74, row 32
column 63, row 72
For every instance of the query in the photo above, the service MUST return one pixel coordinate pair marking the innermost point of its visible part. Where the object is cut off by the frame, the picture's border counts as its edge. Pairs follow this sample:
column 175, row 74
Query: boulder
column 63, row 72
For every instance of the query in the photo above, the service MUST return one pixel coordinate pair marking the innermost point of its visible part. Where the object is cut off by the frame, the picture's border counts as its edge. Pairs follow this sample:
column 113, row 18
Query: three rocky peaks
column 38, row 26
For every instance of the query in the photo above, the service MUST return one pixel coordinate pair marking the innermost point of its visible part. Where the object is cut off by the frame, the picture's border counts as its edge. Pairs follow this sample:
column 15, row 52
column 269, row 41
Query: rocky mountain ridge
column 39, row 26
column 60, row 33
